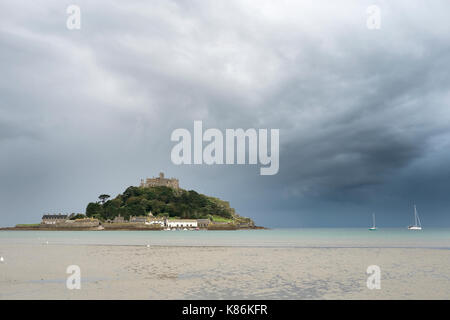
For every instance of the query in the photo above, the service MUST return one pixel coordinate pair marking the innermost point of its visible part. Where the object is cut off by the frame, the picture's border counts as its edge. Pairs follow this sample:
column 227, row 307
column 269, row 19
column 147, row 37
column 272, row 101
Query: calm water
column 306, row 237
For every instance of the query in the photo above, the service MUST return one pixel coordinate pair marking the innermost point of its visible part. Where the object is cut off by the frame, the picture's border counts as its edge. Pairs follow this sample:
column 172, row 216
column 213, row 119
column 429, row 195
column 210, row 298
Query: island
column 156, row 204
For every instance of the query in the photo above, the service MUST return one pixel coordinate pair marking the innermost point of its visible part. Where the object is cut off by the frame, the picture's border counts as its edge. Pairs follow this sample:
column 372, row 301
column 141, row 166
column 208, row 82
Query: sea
column 437, row 238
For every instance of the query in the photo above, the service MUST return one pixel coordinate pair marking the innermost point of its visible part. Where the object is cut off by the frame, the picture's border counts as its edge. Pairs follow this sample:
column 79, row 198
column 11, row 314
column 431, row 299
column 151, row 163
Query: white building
column 161, row 222
column 182, row 223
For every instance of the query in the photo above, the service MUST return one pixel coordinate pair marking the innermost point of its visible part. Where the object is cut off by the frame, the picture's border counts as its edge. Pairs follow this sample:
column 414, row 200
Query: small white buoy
column 46, row 242
column 148, row 246
column 1, row 259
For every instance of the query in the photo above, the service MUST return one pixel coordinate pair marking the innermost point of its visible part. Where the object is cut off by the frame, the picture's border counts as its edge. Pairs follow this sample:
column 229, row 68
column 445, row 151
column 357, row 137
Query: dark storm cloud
column 90, row 111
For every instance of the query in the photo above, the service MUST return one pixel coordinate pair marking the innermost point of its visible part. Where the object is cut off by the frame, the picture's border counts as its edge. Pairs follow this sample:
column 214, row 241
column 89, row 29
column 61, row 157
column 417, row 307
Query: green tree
column 94, row 209
column 78, row 216
column 103, row 197
column 174, row 203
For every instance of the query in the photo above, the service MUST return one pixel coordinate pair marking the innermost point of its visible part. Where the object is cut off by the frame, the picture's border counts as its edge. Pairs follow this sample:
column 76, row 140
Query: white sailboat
column 373, row 228
column 417, row 225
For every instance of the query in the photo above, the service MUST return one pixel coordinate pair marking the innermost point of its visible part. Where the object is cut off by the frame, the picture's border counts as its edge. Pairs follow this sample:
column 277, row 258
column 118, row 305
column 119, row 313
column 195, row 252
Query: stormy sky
column 364, row 115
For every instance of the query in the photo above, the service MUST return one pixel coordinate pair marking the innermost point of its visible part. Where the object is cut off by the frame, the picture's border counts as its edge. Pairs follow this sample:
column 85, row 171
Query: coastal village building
column 182, row 223
column 63, row 221
column 160, row 181
column 118, row 219
column 164, row 222
column 138, row 219
column 203, row 223
column 54, row 218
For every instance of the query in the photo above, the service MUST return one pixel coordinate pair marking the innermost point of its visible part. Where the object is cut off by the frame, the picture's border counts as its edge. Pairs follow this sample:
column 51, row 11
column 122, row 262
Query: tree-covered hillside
column 162, row 201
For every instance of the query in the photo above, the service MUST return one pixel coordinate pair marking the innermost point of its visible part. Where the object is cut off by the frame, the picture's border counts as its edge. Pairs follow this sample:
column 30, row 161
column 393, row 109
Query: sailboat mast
column 415, row 215
column 418, row 219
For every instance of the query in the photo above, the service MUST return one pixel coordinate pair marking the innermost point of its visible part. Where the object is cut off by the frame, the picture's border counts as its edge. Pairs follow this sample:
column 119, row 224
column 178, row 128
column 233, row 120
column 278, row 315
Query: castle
column 160, row 181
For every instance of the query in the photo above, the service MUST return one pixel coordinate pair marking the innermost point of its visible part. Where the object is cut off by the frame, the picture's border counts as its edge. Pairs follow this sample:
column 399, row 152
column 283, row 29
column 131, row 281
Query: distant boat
column 417, row 225
column 373, row 226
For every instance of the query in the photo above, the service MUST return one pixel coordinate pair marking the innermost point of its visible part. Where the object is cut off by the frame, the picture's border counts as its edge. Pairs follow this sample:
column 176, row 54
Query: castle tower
column 160, row 181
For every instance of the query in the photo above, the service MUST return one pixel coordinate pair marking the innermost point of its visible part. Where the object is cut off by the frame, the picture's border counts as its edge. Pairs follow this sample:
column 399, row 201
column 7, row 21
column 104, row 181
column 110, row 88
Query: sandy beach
column 162, row 272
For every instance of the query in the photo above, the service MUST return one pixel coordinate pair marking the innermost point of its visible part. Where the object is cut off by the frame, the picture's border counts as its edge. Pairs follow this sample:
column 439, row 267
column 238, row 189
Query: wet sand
column 137, row 272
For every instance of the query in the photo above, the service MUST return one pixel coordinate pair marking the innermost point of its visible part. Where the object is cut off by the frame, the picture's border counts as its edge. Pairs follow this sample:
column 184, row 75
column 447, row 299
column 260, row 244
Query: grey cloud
column 356, row 109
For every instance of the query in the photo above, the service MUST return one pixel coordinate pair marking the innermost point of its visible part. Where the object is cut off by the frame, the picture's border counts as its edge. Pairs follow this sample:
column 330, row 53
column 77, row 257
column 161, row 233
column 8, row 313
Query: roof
column 204, row 220
column 54, row 216
column 183, row 220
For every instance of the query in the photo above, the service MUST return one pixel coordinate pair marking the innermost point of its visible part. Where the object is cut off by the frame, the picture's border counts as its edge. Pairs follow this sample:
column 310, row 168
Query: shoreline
column 203, row 246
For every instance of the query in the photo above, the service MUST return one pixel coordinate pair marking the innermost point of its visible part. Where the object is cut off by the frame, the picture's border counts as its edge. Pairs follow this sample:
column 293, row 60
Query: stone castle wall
column 160, row 181
column 80, row 223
